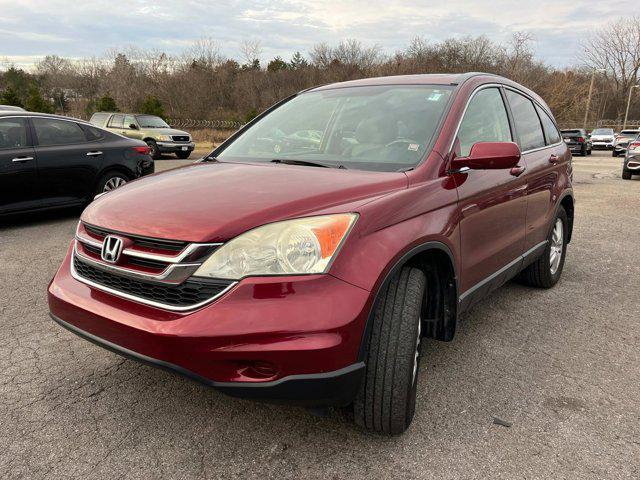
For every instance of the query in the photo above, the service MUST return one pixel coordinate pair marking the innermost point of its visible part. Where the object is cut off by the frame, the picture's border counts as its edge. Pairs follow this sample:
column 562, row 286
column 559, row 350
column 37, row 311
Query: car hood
column 213, row 202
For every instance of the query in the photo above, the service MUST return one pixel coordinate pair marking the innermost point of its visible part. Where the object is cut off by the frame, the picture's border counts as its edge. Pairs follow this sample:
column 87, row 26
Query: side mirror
column 489, row 156
column 133, row 126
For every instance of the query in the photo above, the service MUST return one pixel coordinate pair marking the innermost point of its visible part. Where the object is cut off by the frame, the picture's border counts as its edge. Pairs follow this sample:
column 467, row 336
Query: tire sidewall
column 155, row 151
column 562, row 215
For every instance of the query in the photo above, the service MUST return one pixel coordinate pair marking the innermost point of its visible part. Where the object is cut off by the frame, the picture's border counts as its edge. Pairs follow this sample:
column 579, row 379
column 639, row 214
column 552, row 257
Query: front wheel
column 546, row 270
column 154, row 150
column 614, row 153
column 626, row 174
column 183, row 155
column 387, row 397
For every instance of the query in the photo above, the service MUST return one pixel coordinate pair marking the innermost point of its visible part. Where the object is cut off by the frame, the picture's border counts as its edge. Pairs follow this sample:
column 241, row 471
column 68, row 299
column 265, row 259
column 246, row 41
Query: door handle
column 517, row 170
column 21, row 159
column 553, row 159
column 94, row 154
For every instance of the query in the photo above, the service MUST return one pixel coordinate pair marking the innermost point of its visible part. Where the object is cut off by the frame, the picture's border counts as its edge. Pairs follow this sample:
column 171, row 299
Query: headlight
column 292, row 247
column 164, row 138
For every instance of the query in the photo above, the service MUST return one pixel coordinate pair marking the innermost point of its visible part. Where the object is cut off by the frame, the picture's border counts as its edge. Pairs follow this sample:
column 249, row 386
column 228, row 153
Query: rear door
column 68, row 162
column 545, row 154
column 492, row 202
column 116, row 124
column 18, row 172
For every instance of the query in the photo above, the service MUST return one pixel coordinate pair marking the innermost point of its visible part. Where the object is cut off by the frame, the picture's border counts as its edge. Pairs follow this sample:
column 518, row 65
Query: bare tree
column 251, row 50
column 616, row 48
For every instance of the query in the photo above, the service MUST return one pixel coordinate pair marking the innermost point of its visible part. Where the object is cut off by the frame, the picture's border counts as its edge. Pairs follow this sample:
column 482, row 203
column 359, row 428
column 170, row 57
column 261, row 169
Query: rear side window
column 116, row 121
column 13, row 133
column 484, row 121
column 129, row 120
column 527, row 122
column 92, row 133
column 99, row 119
column 550, row 129
column 50, row 131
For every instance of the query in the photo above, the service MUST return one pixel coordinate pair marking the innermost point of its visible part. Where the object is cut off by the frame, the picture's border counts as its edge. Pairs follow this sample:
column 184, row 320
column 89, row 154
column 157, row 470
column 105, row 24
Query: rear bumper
column 280, row 339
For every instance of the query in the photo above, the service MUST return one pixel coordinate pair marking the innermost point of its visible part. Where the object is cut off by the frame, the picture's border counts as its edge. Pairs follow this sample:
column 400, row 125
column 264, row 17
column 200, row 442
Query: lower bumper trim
column 336, row 388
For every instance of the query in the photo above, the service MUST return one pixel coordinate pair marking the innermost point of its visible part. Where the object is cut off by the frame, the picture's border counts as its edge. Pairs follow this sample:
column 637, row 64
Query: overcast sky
column 30, row 29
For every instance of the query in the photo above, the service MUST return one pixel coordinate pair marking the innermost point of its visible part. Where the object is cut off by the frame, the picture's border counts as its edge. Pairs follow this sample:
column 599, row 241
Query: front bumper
column 281, row 339
column 169, row 147
column 604, row 144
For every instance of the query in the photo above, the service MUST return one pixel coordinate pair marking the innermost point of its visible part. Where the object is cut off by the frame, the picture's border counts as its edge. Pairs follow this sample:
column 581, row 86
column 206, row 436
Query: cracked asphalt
column 561, row 366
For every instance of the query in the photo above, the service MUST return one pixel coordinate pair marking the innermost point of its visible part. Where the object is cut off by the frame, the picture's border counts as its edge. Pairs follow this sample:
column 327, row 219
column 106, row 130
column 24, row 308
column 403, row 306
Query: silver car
column 631, row 165
column 602, row 138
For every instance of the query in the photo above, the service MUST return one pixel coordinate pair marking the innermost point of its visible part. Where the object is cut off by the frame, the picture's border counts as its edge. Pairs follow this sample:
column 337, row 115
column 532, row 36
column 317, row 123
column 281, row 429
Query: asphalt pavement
column 561, row 367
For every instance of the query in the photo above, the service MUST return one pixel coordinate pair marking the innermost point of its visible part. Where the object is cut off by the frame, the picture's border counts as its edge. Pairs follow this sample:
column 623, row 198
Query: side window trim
column 464, row 112
column 536, row 105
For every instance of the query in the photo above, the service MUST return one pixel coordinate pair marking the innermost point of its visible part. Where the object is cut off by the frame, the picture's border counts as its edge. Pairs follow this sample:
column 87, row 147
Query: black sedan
column 577, row 141
column 49, row 161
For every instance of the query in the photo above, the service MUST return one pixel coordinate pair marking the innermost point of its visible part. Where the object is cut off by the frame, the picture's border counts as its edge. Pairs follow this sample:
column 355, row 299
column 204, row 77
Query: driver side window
column 484, row 121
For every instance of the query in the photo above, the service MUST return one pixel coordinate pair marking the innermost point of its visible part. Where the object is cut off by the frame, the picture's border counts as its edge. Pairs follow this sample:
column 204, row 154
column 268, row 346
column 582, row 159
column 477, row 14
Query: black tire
column 626, row 174
column 183, row 155
column 539, row 273
column 583, row 151
column 113, row 177
column 155, row 151
column 589, row 151
column 387, row 397
column 614, row 153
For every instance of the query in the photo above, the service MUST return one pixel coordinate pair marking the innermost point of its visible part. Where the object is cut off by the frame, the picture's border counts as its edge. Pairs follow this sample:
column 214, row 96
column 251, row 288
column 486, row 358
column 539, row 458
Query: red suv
column 304, row 260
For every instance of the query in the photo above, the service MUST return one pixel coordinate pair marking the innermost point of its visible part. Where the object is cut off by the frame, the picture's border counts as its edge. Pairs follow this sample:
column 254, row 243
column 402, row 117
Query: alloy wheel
column 557, row 244
column 113, row 183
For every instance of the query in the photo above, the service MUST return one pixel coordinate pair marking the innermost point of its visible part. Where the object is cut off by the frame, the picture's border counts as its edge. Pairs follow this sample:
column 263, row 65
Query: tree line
column 201, row 83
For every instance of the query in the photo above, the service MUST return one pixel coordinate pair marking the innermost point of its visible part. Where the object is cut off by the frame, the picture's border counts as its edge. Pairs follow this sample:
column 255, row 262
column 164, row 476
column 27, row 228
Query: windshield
column 602, row 131
column 151, row 121
column 379, row 128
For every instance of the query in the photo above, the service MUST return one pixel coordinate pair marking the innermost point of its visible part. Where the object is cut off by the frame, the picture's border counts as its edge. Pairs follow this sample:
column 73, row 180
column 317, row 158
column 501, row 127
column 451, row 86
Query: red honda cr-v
column 306, row 257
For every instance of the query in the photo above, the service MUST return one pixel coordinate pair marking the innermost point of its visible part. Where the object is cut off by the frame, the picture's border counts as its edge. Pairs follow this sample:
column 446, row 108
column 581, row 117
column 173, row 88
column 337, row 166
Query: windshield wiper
column 293, row 161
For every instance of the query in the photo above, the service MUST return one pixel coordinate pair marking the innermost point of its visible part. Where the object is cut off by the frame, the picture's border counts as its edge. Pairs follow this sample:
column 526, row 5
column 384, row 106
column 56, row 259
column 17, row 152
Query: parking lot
column 560, row 366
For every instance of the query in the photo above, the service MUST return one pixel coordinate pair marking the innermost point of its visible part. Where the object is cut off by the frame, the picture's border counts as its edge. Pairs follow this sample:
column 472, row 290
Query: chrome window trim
column 167, row 277
column 144, row 301
column 500, row 85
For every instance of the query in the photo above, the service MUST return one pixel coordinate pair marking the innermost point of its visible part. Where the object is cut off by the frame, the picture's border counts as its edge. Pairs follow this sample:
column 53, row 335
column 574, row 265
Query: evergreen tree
column 35, row 102
column 10, row 97
column 152, row 106
column 298, row 61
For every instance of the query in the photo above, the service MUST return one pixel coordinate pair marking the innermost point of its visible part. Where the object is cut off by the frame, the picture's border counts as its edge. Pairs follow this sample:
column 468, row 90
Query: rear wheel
column 626, row 174
column 155, row 151
column 546, row 270
column 387, row 397
column 614, row 153
column 110, row 181
column 583, row 151
column 183, row 155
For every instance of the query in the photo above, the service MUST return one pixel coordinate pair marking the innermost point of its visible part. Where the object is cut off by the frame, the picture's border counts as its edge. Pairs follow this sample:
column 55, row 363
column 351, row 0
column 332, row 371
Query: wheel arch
column 567, row 202
column 436, row 260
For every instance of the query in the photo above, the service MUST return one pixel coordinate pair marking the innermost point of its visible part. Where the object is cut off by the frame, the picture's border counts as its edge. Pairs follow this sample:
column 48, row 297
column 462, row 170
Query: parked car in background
column 11, row 108
column 577, row 140
column 631, row 165
column 311, row 275
column 48, row 161
column 152, row 130
column 622, row 140
column 602, row 138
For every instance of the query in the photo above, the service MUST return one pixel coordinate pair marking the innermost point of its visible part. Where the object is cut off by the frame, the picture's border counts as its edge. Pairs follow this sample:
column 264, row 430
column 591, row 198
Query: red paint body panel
column 312, row 324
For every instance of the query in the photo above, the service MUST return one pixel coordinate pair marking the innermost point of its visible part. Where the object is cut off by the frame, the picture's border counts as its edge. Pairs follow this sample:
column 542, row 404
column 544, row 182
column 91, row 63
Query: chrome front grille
column 155, row 272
